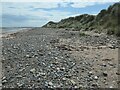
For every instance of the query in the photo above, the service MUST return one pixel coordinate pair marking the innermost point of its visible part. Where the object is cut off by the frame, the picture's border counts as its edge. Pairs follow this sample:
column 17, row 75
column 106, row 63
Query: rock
column 118, row 82
column 105, row 74
column 20, row 84
column 22, row 69
column 111, row 46
column 56, row 58
column 104, row 65
column 41, row 73
column 111, row 64
column 106, row 83
column 68, row 76
column 3, row 78
column 28, row 56
column 58, row 68
column 4, row 81
column 32, row 70
column 36, row 57
column 73, row 82
column 0, row 85
column 96, row 77
column 107, row 59
column 64, row 79
column 90, row 72
column 62, row 69
column 81, row 86
column 118, row 73
column 14, row 47
column 54, row 41
column 40, row 53
column 95, row 84
column 76, row 87
column 111, row 87
column 26, row 65
column 64, row 47
column 50, row 83
column 18, row 76
column 55, row 62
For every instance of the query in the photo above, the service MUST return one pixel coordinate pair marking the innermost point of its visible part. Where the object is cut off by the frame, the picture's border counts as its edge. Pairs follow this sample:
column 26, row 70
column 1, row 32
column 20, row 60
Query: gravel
column 44, row 58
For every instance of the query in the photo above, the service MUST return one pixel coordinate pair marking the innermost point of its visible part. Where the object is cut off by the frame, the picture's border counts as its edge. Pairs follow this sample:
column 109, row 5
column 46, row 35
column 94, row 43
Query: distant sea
column 13, row 29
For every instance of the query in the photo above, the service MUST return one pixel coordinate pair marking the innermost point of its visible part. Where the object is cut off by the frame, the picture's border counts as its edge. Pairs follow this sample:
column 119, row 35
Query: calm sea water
column 12, row 29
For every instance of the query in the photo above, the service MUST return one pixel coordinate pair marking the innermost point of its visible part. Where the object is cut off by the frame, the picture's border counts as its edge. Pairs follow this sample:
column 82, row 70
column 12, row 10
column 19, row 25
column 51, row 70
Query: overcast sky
column 32, row 14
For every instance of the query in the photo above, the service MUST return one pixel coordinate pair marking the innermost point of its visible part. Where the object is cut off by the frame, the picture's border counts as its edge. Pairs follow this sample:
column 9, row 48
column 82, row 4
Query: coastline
column 5, row 34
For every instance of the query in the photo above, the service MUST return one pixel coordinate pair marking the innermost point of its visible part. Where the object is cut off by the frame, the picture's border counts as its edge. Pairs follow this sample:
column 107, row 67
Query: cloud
column 64, row 4
column 45, row 5
column 86, row 4
column 20, row 5
column 20, row 13
column 49, row 4
column 37, row 14
column 82, row 4
column 60, row 0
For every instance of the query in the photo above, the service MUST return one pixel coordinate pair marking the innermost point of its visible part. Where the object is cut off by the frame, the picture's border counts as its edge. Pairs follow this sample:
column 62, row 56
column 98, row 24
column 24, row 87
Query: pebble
column 104, row 65
column 95, row 84
column 118, row 73
column 3, row 78
column 32, row 70
column 4, row 81
column 76, row 87
column 68, row 76
column 62, row 69
column 0, row 85
column 58, row 68
column 28, row 56
column 96, row 77
column 50, row 83
column 20, row 84
column 64, row 79
column 105, row 74
column 81, row 86
column 41, row 73
column 73, row 82
column 111, row 46
column 19, row 76
column 111, row 87
column 56, row 58
column 90, row 72
column 111, row 64
column 22, row 69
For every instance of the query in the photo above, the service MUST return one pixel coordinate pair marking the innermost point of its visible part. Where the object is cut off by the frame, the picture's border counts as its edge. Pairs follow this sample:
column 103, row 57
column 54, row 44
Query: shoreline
column 5, row 34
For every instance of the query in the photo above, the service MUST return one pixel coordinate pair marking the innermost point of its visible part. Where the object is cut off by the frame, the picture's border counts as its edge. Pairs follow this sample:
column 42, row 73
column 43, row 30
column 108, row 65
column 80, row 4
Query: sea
column 13, row 29
column 4, row 31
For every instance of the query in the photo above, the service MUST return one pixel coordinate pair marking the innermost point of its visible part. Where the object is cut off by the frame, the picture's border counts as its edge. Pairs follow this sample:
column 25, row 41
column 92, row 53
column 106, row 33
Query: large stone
column 73, row 82
column 96, row 77
column 105, row 74
column 33, row 70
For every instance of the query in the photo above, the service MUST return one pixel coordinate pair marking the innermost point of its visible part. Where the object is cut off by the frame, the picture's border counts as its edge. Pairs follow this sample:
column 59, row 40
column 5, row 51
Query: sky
column 36, row 14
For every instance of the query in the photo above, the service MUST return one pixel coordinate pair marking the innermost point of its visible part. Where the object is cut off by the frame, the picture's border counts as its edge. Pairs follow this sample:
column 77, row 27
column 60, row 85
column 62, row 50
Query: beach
column 59, row 58
column 5, row 31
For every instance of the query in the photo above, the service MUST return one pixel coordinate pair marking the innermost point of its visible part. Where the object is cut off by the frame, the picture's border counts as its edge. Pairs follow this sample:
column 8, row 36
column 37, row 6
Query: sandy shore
column 59, row 58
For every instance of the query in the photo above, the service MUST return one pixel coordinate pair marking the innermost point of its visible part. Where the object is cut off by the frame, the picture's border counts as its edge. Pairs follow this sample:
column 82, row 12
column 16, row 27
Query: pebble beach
column 59, row 58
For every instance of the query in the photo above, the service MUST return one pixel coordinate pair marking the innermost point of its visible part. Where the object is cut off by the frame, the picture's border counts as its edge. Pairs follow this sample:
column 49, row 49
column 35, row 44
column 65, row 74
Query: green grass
column 83, row 34
column 117, row 32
